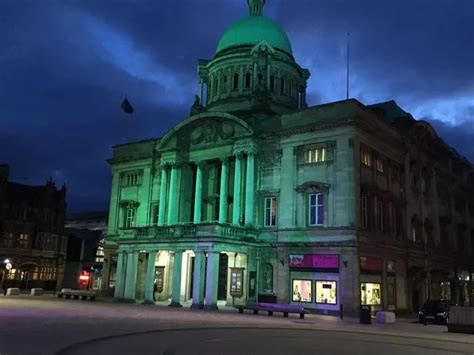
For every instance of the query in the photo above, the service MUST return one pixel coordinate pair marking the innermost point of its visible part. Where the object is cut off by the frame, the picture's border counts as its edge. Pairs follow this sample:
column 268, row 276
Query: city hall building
column 257, row 197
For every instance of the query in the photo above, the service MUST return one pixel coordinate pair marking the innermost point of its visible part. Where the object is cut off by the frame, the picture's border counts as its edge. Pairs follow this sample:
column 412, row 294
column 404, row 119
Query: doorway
column 222, row 281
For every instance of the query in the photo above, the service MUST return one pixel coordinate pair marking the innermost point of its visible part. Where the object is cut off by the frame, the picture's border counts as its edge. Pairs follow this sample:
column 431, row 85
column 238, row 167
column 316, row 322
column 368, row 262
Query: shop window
column 380, row 216
column 316, row 155
column 247, row 80
column 23, row 240
column 270, row 211
column 129, row 220
column 380, row 165
column 316, row 209
column 235, row 83
column 370, row 294
column 366, row 157
column 154, row 209
column 301, row 291
column 326, row 292
column 364, row 212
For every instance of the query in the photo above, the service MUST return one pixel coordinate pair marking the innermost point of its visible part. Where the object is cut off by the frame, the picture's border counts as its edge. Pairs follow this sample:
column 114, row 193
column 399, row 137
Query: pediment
column 205, row 130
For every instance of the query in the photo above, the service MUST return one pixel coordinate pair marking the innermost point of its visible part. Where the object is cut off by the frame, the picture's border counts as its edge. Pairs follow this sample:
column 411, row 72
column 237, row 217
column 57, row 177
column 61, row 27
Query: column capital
column 224, row 160
column 200, row 163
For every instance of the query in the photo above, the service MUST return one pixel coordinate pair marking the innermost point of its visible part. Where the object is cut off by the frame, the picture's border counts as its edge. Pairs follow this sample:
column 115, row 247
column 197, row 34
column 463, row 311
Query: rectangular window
column 154, row 209
column 270, row 211
column 316, row 209
column 380, row 165
column 380, row 216
column 302, row 291
column 364, row 215
column 23, row 241
column 132, row 179
column 366, row 157
column 395, row 174
column 326, row 292
column 316, row 155
column 370, row 294
column 129, row 217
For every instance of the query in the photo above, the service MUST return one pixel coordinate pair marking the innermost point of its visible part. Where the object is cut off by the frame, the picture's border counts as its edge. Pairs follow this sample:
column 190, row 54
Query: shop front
column 315, row 282
column 371, row 281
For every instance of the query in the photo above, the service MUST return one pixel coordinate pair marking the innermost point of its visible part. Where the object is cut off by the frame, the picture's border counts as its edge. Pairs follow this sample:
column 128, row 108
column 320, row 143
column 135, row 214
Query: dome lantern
column 256, row 7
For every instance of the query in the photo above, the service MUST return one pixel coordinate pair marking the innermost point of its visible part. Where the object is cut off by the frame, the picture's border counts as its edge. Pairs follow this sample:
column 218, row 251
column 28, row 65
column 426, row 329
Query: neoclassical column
column 131, row 278
column 173, row 196
column 237, row 190
column 212, row 275
column 223, row 190
column 120, row 276
column 150, row 277
column 250, row 186
column 163, row 203
column 198, row 279
column 176, row 283
column 198, row 193
column 201, row 91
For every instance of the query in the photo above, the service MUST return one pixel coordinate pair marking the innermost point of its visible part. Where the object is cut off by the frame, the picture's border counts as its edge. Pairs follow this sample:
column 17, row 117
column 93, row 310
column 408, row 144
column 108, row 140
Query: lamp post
column 8, row 266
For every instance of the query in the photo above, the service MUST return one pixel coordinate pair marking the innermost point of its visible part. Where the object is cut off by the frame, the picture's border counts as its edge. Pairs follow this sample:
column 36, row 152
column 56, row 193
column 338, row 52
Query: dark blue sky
column 66, row 65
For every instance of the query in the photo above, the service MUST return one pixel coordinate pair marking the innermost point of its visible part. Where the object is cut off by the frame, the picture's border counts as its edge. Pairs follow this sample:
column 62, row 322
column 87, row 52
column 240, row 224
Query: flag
column 126, row 106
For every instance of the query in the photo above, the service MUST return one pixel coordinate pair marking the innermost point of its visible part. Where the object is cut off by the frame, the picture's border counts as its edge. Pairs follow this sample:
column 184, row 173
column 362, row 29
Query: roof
column 251, row 30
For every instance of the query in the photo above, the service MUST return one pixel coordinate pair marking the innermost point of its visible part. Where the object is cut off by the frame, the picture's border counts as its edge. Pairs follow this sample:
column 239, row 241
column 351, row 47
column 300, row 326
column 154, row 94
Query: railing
column 188, row 230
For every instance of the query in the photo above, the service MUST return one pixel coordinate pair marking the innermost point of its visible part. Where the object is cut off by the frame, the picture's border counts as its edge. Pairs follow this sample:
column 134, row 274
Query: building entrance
column 222, row 282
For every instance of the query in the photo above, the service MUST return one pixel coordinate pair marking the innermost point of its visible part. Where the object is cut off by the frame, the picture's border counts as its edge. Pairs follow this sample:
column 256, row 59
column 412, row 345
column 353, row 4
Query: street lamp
column 8, row 266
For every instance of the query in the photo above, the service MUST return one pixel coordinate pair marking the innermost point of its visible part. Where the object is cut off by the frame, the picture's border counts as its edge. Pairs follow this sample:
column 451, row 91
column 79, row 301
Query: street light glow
column 6, row 261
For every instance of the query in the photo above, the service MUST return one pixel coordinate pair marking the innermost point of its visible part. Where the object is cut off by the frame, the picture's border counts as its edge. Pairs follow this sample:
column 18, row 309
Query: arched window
column 247, row 80
column 260, row 78
column 235, row 83
column 272, row 83
column 282, row 86
column 224, row 84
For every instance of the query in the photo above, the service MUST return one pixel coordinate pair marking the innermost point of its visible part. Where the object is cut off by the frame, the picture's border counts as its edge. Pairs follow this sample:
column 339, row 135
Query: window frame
column 366, row 157
column 292, row 288
column 316, row 295
column 364, row 207
column 380, row 217
column 154, row 205
column 316, row 155
column 273, row 207
column 129, row 221
column 315, row 207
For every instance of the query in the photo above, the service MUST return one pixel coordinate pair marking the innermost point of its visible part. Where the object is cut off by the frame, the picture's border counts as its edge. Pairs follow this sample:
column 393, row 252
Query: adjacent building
column 32, row 241
column 85, row 253
column 256, row 196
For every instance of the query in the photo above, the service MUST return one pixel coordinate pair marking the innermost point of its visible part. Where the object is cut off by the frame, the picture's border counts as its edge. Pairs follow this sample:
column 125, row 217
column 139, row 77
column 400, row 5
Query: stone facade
column 256, row 196
column 32, row 240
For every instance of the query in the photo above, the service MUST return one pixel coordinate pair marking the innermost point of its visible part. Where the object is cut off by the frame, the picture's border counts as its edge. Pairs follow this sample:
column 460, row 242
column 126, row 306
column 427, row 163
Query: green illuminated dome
column 253, row 29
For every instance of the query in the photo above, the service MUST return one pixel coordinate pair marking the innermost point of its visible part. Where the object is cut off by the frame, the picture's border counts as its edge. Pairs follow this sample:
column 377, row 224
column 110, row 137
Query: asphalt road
column 247, row 341
column 47, row 326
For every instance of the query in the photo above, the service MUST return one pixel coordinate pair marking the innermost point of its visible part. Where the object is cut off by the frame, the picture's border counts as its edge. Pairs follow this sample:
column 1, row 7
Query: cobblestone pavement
column 48, row 325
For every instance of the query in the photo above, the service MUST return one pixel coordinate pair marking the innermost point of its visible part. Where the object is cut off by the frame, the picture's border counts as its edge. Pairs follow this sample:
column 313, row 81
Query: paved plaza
column 48, row 325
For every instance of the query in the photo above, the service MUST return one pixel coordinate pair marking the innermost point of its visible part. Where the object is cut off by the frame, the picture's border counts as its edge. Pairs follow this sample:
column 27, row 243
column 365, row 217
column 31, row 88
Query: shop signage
column 371, row 264
column 315, row 261
column 236, row 281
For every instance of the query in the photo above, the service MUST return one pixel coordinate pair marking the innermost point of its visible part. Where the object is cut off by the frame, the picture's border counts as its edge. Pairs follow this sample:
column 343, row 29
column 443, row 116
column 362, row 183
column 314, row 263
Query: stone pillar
column 173, row 198
column 212, row 276
column 250, row 184
column 150, row 277
column 198, row 194
column 176, row 282
column 237, row 191
column 131, row 278
column 120, row 275
column 198, row 279
column 223, row 191
column 163, row 203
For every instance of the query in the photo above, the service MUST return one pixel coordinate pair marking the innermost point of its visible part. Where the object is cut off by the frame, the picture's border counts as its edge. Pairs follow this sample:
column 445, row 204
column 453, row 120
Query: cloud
column 67, row 65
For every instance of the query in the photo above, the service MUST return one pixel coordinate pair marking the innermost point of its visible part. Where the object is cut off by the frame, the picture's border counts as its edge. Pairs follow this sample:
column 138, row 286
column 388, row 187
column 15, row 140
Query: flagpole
column 347, row 69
